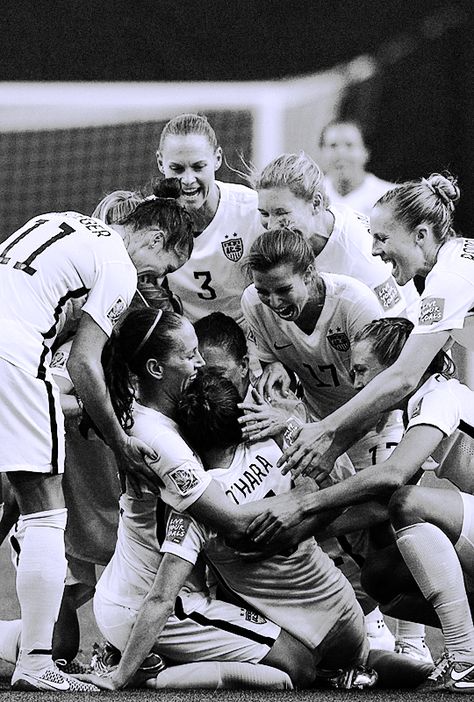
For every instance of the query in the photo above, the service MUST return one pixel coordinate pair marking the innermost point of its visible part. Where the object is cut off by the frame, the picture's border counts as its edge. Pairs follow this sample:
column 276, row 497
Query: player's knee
column 404, row 507
column 375, row 577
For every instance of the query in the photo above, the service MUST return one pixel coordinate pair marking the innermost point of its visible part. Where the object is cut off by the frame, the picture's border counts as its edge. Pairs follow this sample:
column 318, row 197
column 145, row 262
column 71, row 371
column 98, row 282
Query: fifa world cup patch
column 178, row 526
column 431, row 311
column 388, row 294
column 59, row 360
column 233, row 247
column 253, row 617
column 116, row 310
column 184, row 478
column 339, row 340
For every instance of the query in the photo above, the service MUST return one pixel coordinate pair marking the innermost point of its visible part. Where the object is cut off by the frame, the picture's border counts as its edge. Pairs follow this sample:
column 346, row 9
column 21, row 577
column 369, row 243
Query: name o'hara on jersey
column 252, row 477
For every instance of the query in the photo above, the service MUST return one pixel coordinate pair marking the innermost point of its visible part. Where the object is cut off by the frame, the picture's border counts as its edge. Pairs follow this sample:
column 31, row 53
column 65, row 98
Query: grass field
column 89, row 634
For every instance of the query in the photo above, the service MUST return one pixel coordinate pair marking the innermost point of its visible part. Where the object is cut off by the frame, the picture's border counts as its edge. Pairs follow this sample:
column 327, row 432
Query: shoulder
column 237, row 194
column 347, row 288
column 250, row 297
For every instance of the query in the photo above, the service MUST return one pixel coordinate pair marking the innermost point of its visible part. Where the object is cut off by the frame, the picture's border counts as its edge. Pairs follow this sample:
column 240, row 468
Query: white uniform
column 449, row 406
column 349, row 251
column 447, row 302
column 201, row 628
column 52, row 259
column 362, row 198
column 212, row 280
column 302, row 591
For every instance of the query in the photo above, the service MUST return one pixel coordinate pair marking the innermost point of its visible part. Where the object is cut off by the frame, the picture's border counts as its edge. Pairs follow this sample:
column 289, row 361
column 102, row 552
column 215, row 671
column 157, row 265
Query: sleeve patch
column 184, row 479
column 116, row 310
column 251, row 337
column 59, row 360
column 431, row 310
column 388, row 294
column 178, row 526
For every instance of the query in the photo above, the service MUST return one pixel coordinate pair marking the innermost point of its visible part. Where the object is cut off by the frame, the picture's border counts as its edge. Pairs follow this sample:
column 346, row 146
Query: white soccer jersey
column 362, row 198
column 301, row 591
column 52, row 259
column 322, row 359
column 212, row 280
column 130, row 574
column 449, row 406
column 349, row 251
column 447, row 302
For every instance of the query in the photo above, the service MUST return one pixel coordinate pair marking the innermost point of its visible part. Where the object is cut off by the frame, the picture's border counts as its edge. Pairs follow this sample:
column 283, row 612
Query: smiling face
column 280, row 207
column 219, row 360
column 283, row 290
column 364, row 364
column 395, row 243
column 184, row 361
column 151, row 255
column 192, row 159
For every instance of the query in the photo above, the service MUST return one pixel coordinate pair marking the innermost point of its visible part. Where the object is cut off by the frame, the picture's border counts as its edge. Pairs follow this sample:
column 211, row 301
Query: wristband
column 293, row 425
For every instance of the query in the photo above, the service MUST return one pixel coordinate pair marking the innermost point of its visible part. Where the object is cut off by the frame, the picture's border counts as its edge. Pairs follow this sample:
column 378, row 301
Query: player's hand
column 274, row 381
column 134, row 458
column 282, row 513
column 312, row 452
column 261, row 420
column 104, row 682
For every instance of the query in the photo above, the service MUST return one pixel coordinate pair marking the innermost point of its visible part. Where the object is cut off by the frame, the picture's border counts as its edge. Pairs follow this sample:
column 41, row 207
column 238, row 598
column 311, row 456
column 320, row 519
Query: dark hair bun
column 168, row 187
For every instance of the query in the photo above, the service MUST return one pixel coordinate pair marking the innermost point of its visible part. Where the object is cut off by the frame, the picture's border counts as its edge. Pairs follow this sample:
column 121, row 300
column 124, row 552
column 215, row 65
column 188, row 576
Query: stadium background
column 85, row 88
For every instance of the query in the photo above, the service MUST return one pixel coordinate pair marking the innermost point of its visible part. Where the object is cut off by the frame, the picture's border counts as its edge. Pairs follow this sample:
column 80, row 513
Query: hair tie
column 148, row 334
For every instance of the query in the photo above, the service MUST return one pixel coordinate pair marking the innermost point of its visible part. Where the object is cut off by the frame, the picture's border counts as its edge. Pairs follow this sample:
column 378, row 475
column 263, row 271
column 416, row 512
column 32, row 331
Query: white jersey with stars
column 212, row 280
column 130, row 574
column 322, row 359
column 51, row 260
column 301, row 591
column 447, row 302
column 349, row 251
column 448, row 405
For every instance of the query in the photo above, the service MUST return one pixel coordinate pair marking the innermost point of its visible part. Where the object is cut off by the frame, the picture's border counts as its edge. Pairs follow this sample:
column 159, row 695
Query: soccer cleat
column 380, row 636
column 105, row 659
column 414, row 648
column 450, row 675
column 50, row 680
column 360, row 677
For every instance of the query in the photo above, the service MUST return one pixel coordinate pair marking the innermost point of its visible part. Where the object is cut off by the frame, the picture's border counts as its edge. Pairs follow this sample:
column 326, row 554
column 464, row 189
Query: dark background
column 417, row 111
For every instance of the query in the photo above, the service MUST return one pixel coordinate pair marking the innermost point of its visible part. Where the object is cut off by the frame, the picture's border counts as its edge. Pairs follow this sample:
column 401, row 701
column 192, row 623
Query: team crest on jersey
column 59, row 360
column 253, row 617
column 431, row 311
column 233, row 247
column 339, row 340
column 178, row 525
column 116, row 310
column 185, row 479
column 388, row 294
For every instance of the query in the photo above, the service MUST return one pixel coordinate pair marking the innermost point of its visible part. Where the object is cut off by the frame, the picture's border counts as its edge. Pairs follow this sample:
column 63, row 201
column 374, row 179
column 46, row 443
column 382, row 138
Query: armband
column 293, row 425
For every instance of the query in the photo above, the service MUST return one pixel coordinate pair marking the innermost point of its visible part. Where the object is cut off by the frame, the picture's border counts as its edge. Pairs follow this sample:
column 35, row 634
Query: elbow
column 392, row 479
column 159, row 602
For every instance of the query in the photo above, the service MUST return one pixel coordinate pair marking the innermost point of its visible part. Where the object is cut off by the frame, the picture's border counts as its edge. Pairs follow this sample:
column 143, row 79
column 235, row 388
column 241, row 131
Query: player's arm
column 386, row 390
column 68, row 399
column 85, row 368
column 373, row 483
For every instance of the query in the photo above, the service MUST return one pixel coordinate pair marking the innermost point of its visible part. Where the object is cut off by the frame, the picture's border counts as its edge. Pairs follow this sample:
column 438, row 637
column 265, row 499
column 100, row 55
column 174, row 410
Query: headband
column 148, row 334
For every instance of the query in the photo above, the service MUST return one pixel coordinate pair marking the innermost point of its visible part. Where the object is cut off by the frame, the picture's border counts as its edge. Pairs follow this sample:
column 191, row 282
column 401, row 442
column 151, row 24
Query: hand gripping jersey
column 447, row 302
column 52, row 259
column 349, row 251
column 449, row 406
column 212, row 280
column 130, row 574
column 320, row 359
column 301, row 591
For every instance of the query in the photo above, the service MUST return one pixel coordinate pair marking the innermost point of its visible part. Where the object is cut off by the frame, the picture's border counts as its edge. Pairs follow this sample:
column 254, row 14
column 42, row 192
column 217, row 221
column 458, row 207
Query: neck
column 219, row 457
column 346, row 184
column 205, row 214
column 160, row 401
column 311, row 312
column 324, row 226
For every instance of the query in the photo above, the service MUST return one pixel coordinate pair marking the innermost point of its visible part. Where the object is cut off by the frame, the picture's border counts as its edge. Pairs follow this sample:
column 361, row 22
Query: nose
column 276, row 221
column 274, row 300
column 187, row 177
column 376, row 247
column 200, row 362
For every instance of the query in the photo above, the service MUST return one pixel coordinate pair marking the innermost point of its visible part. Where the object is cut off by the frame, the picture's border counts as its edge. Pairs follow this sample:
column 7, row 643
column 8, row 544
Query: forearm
column 357, row 518
column 151, row 619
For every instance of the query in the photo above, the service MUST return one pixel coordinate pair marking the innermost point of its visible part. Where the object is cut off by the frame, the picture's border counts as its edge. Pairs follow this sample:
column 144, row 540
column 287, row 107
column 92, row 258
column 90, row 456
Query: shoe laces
column 441, row 666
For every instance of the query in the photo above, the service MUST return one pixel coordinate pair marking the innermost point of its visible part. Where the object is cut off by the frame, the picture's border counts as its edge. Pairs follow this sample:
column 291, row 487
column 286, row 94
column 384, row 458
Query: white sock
column 10, row 632
column 213, row 675
column 433, row 562
column 408, row 630
column 40, row 585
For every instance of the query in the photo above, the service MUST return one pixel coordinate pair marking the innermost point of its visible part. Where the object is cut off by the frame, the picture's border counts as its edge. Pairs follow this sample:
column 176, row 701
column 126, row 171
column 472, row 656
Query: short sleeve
column 438, row 408
column 184, row 537
column 111, row 294
column 446, row 301
column 250, row 305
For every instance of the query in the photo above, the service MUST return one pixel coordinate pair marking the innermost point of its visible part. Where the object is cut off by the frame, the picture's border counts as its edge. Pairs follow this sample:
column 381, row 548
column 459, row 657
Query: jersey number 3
column 210, row 293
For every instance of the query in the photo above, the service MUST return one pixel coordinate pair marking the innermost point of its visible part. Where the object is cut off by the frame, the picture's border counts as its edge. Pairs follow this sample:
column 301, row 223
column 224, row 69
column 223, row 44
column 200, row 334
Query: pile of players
column 236, row 400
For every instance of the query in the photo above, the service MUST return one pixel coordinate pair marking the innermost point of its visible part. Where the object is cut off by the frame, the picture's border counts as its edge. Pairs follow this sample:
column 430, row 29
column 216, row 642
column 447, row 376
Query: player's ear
column 308, row 274
column 154, row 368
column 159, row 160
column 217, row 158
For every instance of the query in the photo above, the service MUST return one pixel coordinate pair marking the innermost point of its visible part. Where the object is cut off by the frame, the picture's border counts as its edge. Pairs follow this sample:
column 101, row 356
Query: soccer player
column 344, row 157
column 160, row 352
column 54, row 258
column 412, row 228
column 225, row 219
column 291, row 193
